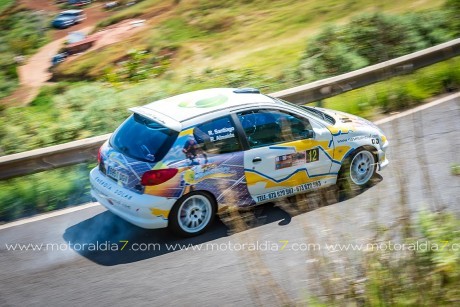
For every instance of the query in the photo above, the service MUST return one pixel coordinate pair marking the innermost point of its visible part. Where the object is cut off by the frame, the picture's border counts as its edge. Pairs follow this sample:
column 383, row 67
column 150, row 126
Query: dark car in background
column 79, row 2
column 68, row 18
column 73, row 2
column 59, row 58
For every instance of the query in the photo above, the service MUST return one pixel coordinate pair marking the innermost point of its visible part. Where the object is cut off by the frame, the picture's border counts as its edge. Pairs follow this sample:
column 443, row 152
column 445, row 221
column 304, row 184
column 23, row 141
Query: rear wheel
column 192, row 214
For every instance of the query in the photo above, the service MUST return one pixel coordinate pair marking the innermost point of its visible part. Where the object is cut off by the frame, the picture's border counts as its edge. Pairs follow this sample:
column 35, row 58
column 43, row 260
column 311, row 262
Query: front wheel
column 192, row 214
column 357, row 171
column 362, row 167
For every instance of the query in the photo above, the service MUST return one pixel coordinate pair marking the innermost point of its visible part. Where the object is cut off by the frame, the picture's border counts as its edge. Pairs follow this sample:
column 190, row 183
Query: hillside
column 265, row 36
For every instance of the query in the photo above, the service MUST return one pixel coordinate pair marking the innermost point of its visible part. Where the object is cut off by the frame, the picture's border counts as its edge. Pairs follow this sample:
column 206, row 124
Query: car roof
column 193, row 104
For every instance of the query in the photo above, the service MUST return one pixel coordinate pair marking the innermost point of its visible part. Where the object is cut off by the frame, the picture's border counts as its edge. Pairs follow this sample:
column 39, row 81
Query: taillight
column 99, row 158
column 159, row 176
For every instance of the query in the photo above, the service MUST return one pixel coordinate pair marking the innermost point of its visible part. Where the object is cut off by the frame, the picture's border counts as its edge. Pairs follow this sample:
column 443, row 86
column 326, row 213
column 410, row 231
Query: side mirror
column 308, row 134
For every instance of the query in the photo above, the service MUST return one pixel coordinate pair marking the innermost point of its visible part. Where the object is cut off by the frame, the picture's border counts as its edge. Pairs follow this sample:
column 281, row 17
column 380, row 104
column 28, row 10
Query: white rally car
column 176, row 162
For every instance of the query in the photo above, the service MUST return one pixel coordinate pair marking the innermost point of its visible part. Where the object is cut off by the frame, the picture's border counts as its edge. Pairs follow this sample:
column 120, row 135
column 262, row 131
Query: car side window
column 267, row 127
column 217, row 136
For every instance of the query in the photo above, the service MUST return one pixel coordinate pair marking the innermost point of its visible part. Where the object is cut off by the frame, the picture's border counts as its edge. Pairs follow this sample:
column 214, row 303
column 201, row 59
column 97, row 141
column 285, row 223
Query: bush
column 453, row 9
column 215, row 23
column 44, row 192
column 23, row 32
column 434, row 271
column 372, row 38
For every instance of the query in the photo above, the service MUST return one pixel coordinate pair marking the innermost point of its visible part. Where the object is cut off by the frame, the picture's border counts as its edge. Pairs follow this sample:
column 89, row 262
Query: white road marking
column 90, row 205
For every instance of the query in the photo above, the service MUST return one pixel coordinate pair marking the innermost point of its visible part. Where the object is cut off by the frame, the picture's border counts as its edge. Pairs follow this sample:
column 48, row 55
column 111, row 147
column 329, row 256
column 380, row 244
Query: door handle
column 257, row 159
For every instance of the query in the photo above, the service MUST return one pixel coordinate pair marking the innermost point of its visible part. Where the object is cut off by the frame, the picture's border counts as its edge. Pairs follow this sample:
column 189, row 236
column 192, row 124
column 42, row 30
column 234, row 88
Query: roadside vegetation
column 22, row 33
column 126, row 13
column 44, row 192
column 4, row 4
column 266, row 36
column 370, row 39
column 401, row 92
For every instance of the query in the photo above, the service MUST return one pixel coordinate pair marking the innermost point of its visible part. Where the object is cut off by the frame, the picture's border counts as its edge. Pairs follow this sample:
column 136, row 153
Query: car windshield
column 143, row 139
column 313, row 111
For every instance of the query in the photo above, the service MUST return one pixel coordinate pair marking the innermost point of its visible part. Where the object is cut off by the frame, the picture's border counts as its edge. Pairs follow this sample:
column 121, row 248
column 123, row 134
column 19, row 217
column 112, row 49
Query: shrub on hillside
column 372, row 38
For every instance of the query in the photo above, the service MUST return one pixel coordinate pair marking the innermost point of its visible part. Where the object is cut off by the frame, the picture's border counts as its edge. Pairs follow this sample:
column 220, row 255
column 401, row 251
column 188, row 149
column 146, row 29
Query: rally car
column 177, row 161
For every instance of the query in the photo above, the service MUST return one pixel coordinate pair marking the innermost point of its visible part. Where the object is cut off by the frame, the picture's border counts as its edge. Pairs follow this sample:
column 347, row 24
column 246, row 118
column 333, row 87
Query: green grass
column 44, row 192
column 426, row 272
column 455, row 169
column 22, row 32
column 131, row 12
column 5, row 3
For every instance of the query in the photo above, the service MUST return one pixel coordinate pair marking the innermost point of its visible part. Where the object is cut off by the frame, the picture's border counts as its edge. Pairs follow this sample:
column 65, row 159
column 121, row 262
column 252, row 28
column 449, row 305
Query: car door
column 288, row 153
column 216, row 164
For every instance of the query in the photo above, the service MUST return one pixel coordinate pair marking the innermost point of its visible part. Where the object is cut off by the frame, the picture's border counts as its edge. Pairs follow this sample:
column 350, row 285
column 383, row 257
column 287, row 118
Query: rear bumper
column 145, row 211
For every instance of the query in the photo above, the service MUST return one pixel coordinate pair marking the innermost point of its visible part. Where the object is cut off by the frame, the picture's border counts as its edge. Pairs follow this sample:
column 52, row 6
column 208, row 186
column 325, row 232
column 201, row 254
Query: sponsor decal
column 119, row 192
column 205, row 103
column 288, row 191
column 200, row 173
column 289, row 160
column 160, row 213
column 104, row 184
column 359, row 137
column 297, row 158
column 123, row 194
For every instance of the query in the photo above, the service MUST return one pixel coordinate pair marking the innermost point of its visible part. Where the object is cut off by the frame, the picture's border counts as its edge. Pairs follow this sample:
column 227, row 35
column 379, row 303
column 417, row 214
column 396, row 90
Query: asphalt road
column 422, row 147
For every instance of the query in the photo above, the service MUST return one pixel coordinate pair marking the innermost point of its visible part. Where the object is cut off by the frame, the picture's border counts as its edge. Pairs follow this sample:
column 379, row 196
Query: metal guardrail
column 343, row 83
column 38, row 160
column 47, row 158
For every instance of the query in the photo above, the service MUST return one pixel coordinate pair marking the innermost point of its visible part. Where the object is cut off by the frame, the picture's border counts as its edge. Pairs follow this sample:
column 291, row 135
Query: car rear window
column 143, row 139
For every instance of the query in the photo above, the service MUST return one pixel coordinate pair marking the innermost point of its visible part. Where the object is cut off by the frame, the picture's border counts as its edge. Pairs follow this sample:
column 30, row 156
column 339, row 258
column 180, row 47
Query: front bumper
column 383, row 161
column 145, row 211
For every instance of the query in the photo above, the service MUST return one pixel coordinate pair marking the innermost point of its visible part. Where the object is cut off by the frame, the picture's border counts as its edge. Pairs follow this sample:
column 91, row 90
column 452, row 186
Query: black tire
column 356, row 172
column 192, row 214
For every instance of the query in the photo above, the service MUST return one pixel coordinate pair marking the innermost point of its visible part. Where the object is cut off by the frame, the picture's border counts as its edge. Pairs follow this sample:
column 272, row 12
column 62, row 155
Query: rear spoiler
column 158, row 117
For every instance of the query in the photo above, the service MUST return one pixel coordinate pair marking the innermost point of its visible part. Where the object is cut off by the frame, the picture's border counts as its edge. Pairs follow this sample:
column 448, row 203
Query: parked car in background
column 111, row 5
column 68, row 18
column 74, row 2
column 176, row 162
column 79, row 2
column 59, row 58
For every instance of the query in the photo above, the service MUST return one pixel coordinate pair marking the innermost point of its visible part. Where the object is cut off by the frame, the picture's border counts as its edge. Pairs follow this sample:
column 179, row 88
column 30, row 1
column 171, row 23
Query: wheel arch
column 173, row 219
column 206, row 192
